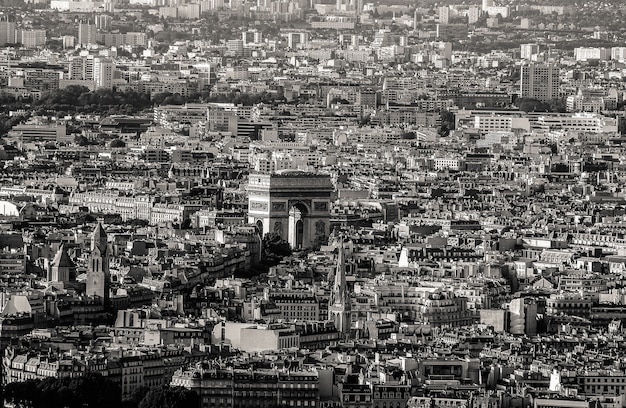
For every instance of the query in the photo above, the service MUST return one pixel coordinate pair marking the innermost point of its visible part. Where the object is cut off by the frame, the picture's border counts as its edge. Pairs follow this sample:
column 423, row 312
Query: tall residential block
column 7, row 32
column 86, row 34
column 539, row 81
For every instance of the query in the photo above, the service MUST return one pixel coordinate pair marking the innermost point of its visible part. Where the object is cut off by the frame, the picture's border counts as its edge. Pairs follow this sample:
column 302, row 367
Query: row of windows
column 606, row 380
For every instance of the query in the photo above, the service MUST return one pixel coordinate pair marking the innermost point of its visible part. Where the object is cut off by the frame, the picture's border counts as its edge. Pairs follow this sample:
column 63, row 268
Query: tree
column 275, row 246
column 78, row 99
column 167, row 98
column 81, row 140
column 92, row 390
column 532, row 105
column 136, row 397
column 443, row 131
column 170, row 397
column 557, row 105
column 447, row 119
column 117, row 143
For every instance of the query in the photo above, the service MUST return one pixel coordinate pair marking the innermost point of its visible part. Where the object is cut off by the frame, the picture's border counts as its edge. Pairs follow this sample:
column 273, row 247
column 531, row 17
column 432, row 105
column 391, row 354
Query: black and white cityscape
column 312, row 204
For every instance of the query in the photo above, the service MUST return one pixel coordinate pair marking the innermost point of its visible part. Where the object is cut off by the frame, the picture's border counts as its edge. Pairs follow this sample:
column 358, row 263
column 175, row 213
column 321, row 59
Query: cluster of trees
column 7, row 122
column 79, row 99
column 169, row 397
column 274, row 249
column 447, row 123
column 534, row 105
column 246, row 99
column 93, row 391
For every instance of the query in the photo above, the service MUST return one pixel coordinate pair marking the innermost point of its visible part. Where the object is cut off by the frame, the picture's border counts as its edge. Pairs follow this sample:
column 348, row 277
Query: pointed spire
column 99, row 239
column 62, row 259
column 339, row 288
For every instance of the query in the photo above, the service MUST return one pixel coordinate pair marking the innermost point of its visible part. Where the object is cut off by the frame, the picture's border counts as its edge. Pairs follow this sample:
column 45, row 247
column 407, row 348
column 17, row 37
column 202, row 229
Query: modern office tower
column 539, row 81
column 86, row 34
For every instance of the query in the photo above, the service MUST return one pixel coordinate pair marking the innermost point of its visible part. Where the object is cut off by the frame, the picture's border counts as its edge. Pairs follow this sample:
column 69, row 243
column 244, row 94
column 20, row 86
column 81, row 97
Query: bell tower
column 98, row 275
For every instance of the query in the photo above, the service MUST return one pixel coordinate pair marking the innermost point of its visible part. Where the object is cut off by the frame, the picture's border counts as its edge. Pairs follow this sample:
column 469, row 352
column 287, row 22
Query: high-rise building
column 528, row 50
column 473, row 15
column 383, row 38
column 444, row 15
column 118, row 39
column 82, row 68
column 68, row 41
column 348, row 40
column 493, row 11
column 592, row 53
column 367, row 98
column 618, row 54
column 86, row 34
column 31, row 38
column 235, row 47
column 189, row 12
column 103, row 72
column 98, row 274
column 524, row 24
column 103, row 21
column 206, row 75
column 7, row 32
column 539, row 81
column 297, row 40
column 252, row 37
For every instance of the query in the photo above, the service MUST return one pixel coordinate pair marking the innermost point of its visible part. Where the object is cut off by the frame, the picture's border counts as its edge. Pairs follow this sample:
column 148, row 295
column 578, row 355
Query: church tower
column 62, row 269
column 98, row 275
column 340, row 306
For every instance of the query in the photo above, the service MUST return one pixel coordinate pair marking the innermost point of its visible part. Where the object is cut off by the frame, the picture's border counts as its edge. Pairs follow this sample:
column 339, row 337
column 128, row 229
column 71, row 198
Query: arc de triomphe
column 293, row 204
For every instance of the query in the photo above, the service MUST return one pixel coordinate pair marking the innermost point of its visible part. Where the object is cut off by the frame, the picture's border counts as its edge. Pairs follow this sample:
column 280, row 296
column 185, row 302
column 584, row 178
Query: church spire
column 98, row 275
column 99, row 239
column 340, row 307
column 339, row 287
